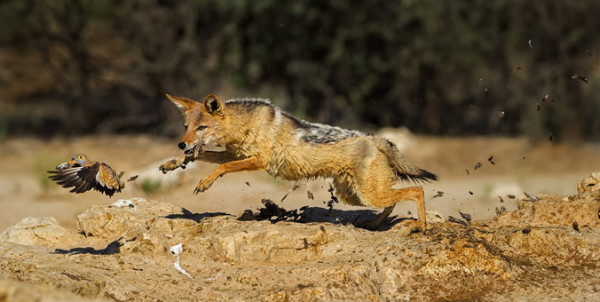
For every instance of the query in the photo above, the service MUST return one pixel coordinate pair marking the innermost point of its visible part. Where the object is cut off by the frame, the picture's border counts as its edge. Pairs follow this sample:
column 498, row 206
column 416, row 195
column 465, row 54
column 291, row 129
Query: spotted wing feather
column 107, row 181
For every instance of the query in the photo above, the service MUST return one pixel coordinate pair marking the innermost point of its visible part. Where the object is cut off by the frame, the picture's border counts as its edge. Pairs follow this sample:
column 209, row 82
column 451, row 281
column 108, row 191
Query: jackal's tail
column 402, row 168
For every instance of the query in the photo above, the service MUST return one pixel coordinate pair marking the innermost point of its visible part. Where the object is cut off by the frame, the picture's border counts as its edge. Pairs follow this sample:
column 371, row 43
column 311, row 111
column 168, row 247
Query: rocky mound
column 546, row 249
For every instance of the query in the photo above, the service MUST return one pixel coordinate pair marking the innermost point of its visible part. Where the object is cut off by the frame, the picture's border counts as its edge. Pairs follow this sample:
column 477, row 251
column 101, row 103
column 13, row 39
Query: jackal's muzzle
column 191, row 149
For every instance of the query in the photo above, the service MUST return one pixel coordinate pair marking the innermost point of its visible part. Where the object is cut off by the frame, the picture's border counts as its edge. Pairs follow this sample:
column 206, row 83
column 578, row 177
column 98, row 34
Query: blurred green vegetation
column 463, row 67
column 150, row 186
column 42, row 163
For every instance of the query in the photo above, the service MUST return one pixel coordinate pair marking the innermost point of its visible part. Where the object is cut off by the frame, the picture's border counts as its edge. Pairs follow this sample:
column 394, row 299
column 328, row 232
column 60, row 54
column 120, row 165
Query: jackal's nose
column 181, row 145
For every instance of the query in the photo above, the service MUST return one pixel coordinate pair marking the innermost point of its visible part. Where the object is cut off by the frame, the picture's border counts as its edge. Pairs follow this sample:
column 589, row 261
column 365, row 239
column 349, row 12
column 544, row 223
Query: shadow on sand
column 274, row 213
column 197, row 217
column 112, row 248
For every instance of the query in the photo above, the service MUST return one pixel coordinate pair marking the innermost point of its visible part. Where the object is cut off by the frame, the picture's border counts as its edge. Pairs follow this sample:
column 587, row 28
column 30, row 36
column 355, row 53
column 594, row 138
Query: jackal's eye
column 185, row 126
column 201, row 127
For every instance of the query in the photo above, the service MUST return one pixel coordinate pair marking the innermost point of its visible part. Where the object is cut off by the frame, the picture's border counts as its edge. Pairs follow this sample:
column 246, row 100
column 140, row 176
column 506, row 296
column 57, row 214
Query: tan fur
column 258, row 136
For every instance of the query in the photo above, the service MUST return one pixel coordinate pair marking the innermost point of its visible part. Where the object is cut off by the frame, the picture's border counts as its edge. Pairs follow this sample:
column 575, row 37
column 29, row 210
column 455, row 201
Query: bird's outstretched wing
column 98, row 176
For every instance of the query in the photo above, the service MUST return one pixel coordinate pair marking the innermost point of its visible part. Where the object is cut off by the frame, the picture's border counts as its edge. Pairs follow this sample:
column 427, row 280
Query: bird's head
column 78, row 160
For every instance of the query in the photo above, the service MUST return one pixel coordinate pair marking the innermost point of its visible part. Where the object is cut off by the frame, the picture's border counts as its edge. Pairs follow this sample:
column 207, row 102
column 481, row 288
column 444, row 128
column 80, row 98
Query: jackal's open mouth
column 193, row 149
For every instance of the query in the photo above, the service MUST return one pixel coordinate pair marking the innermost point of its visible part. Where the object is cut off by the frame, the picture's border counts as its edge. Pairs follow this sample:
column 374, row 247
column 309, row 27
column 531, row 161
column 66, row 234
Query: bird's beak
column 66, row 165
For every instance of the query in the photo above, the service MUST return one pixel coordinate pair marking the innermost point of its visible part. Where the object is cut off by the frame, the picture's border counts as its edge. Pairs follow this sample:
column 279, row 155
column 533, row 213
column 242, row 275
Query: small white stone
column 121, row 203
column 177, row 249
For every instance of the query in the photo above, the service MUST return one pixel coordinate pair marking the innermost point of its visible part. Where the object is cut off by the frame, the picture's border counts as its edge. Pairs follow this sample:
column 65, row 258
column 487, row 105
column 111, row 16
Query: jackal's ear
column 184, row 104
column 213, row 104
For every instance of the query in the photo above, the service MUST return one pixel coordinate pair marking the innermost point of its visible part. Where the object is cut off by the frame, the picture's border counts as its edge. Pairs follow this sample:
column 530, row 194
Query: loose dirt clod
column 465, row 216
column 457, row 220
column 438, row 194
column 500, row 210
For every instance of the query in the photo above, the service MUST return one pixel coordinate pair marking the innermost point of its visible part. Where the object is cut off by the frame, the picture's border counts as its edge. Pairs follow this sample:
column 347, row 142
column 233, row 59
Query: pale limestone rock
column 112, row 222
column 34, row 231
column 553, row 211
column 318, row 261
column 13, row 291
column 589, row 184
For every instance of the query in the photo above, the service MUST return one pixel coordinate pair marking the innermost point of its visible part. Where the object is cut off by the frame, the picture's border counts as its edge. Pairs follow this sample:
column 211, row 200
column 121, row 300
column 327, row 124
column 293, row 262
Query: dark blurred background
column 465, row 67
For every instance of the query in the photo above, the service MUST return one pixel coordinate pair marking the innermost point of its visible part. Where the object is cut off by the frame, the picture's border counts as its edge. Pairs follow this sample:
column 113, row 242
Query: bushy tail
column 402, row 168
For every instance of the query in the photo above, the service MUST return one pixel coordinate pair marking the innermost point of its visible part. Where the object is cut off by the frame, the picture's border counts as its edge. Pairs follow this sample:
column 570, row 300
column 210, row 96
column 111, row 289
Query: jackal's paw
column 170, row 165
column 203, row 185
column 418, row 225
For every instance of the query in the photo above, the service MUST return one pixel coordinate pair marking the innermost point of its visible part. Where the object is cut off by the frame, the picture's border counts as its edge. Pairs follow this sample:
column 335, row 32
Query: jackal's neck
column 243, row 119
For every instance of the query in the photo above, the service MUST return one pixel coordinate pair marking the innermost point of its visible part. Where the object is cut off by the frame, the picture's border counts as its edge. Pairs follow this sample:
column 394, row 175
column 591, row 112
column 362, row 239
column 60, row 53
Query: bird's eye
column 201, row 127
column 80, row 157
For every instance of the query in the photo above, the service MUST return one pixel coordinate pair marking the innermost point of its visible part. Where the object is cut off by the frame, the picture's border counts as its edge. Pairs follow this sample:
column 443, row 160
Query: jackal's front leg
column 248, row 164
column 217, row 157
column 175, row 163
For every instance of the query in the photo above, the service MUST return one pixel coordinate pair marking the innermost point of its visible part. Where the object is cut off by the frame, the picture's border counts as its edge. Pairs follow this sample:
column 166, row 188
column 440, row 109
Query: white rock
column 34, row 231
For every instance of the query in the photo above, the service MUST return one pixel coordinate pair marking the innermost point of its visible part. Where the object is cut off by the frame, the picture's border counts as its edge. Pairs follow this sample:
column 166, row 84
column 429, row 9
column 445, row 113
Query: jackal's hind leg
column 417, row 195
column 388, row 199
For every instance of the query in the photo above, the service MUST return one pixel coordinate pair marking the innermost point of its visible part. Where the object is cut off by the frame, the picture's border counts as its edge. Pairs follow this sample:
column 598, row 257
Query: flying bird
column 83, row 174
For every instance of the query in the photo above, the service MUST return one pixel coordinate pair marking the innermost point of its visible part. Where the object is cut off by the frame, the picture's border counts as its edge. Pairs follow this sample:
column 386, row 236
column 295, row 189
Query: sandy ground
column 90, row 250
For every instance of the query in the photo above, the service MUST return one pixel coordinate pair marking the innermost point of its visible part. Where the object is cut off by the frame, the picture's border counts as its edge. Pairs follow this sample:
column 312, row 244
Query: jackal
column 259, row 136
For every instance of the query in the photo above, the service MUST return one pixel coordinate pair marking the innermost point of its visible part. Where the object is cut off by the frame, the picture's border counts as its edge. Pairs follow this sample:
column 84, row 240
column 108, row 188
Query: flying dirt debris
column 477, row 166
column 545, row 98
column 491, row 160
column 296, row 186
column 457, row 220
column 438, row 194
column 465, row 216
column 500, row 210
column 580, row 77
column 533, row 198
